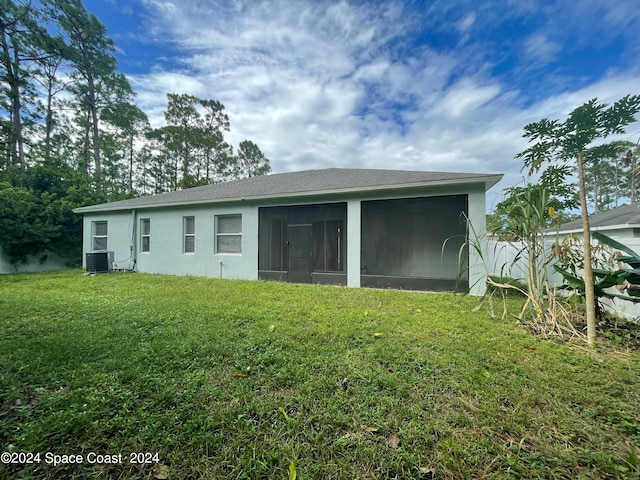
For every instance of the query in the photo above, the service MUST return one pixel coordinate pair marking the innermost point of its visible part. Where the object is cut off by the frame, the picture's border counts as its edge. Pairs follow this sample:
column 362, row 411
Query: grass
column 234, row 379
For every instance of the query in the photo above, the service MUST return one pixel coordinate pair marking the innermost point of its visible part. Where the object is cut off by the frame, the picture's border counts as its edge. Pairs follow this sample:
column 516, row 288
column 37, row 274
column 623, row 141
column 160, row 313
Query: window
column 229, row 234
column 189, row 228
column 99, row 232
column 145, row 235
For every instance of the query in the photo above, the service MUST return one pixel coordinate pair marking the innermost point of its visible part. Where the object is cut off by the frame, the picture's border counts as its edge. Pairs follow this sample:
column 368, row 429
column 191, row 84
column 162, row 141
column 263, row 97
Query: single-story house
column 342, row 226
column 619, row 223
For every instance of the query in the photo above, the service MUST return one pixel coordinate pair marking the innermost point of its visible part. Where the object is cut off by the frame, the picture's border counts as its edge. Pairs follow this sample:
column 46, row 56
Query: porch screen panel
column 328, row 246
column 276, row 244
column 335, row 246
column 272, row 251
column 405, row 237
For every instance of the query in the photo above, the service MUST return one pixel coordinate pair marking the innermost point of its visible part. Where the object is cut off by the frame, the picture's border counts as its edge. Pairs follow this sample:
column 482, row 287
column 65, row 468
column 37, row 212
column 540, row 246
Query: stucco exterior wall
column 353, row 242
column 478, row 220
column 119, row 235
column 166, row 253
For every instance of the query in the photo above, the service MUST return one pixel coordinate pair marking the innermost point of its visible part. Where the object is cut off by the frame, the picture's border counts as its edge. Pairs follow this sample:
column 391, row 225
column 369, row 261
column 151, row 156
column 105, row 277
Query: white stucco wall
column 353, row 242
column 166, row 253
column 478, row 219
column 119, row 235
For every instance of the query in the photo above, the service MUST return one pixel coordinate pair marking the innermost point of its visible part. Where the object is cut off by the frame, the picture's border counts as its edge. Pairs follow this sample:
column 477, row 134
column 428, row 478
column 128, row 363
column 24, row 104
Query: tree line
column 611, row 177
column 72, row 135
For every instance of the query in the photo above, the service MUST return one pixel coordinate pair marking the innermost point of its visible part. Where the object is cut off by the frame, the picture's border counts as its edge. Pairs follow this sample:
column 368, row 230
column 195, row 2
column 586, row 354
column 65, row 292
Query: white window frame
column 95, row 235
column 145, row 235
column 188, row 235
column 219, row 234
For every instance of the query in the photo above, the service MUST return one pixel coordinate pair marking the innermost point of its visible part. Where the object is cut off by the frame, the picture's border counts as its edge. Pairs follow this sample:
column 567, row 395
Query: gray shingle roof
column 305, row 183
column 625, row 216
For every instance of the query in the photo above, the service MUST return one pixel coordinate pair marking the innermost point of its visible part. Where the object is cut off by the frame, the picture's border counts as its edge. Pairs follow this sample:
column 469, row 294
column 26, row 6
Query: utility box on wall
column 99, row 261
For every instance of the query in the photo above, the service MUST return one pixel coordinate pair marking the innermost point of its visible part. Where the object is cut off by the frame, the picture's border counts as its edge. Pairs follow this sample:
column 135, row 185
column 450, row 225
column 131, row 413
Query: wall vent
column 100, row 261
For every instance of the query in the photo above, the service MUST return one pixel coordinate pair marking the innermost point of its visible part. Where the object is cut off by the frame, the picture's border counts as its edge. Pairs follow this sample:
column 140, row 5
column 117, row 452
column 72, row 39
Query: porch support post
column 477, row 267
column 353, row 242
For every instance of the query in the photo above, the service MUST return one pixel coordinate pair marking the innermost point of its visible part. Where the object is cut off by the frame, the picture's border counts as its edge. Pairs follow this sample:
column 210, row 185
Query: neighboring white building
column 355, row 227
column 620, row 223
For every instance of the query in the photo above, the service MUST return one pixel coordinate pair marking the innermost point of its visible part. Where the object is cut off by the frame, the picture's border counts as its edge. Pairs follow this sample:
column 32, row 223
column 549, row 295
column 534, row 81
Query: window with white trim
column 145, row 235
column 189, row 233
column 99, row 234
column 229, row 234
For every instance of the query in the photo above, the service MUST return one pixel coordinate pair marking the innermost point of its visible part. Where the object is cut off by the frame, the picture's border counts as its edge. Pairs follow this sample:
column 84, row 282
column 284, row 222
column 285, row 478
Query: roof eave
column 618, row 226
column 488, row 181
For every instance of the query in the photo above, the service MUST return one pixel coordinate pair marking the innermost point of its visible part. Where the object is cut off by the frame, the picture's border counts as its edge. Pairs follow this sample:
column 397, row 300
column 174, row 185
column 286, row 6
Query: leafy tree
column 13, row 78
column 46, row 74
column 21, row 232
column 21, row 42
column 145, row 164
column 195, row 139
column 598, row 177
column 182, row 136
column 571, row 142
column 91, row 145
column 128, row 125
column 607, row 178
column 96, row 82
column 506, row 220
column 251, row 162
column 217, row 154
column 630, row 160
column 162, row 166
column 36, row 210
column 192, row 148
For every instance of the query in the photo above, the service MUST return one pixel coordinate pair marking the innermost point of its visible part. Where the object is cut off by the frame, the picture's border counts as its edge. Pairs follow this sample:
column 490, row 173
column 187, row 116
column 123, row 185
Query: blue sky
column 417, row 85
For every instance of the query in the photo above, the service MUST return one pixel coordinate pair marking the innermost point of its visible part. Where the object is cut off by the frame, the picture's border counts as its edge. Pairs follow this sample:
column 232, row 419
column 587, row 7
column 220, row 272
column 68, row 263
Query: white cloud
column 609, row 89
column 540, row 50
column 372, row 72
column 324, row 86
column 465, row 98
column 466, row 22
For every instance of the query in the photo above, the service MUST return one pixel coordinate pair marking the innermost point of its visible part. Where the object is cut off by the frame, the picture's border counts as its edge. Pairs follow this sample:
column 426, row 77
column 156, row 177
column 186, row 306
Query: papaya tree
column 573, row 142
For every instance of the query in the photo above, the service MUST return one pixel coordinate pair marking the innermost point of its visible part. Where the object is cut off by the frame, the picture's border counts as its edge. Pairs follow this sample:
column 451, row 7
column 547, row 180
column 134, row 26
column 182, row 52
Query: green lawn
column 231, row 379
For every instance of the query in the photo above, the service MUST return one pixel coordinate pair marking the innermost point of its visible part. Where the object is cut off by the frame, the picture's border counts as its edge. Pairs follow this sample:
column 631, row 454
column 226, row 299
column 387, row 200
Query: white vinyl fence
column 508, row 259
column 505, row 259
column 36, row 263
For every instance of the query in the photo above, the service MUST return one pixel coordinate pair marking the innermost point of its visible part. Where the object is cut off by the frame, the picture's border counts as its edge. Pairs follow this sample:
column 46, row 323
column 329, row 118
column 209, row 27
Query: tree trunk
column 17, row 109
column 632, row 173
column 131, row 164
column 48, row 123
column 85, row 147
column 12, row 68
column 94, row 125
column 588, row 270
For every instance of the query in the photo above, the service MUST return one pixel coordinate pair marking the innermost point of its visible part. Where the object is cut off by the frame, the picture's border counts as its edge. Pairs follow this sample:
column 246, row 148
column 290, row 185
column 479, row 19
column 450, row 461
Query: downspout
column 220, row 273
column 133, row 247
